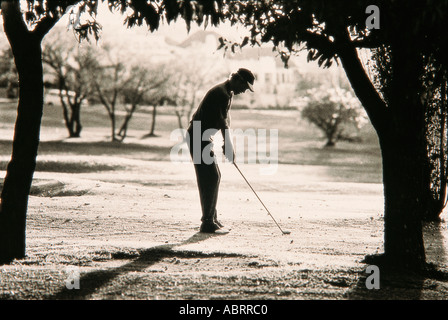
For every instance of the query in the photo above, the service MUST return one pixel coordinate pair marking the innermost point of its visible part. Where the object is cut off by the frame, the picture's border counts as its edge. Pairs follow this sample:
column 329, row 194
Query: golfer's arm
column 229, row 151
column 226, row 136
column 224, row 126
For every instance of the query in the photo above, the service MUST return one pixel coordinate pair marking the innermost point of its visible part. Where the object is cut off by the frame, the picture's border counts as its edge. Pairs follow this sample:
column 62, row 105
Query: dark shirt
column 213, row 111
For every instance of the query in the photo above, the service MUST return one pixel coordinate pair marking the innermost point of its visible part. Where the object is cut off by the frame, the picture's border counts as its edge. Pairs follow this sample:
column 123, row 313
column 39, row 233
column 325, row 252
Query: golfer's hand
column 230, row 154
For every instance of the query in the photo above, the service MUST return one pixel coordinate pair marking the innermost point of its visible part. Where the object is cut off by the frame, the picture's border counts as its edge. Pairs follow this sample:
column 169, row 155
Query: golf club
column 283, row 232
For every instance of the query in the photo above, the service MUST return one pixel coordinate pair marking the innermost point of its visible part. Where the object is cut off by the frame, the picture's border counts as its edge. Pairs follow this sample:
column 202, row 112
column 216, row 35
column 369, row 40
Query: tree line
column 89, row 73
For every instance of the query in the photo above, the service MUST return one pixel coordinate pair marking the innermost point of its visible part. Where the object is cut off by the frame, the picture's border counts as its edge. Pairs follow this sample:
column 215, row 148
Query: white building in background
column 274, row 86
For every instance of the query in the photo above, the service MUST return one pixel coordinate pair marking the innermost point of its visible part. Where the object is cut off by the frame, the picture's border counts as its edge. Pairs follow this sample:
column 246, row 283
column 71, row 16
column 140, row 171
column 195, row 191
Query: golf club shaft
column 258, row 197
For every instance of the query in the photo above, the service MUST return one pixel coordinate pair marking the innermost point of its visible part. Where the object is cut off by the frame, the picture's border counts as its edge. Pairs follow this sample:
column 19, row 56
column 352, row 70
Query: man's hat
column 247, row 76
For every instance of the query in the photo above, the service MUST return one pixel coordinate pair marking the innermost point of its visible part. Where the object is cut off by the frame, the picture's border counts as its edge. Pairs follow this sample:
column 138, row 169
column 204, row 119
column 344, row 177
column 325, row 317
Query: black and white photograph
column 231, row 157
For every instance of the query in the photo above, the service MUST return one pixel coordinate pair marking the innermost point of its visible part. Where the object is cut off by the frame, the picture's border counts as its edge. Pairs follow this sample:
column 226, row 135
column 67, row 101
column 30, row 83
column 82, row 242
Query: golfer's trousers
column 208, row 178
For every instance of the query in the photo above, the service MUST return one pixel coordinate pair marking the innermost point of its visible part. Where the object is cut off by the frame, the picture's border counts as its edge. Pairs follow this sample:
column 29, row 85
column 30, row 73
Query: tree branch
column 316, row 41
column 102, row 98
column 360, row 82
column 366, row 43
column 44, row 26
column 14, row 25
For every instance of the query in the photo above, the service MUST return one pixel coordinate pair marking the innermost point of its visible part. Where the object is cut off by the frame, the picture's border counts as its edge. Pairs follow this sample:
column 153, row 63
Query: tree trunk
column 67, row 120
column 75, row 122
column 20, row 170
column 399, row 126
column 330, row 134
column 112, row 124
column 403, row 181
column 179, row 119
column 27, row 51
column 437, row 159
column 122, row 133
column 153, row 124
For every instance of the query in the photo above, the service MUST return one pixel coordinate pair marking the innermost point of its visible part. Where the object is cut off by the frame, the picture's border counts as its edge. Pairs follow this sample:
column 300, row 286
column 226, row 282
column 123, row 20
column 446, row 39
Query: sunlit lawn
column 299, row 143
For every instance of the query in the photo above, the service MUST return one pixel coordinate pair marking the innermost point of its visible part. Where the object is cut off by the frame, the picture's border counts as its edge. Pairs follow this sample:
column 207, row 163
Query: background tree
column 333, row 111
column 71, row 66
column 306, row 83
column 118, row 85
column 8, row 74
column 108, row 83
column 144, row 85
column 160, row 97
column 195, row 74
column 185, row 96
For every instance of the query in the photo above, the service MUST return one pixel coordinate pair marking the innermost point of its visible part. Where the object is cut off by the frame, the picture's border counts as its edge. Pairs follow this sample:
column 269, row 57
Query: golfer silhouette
column 212, row 116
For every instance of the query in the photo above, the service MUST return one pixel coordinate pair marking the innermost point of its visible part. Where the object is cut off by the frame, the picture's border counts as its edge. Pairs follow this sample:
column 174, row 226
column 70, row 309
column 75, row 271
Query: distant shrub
column 334, row 111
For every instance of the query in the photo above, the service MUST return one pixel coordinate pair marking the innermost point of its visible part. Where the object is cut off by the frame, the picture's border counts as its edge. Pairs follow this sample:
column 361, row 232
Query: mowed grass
column 299, row 143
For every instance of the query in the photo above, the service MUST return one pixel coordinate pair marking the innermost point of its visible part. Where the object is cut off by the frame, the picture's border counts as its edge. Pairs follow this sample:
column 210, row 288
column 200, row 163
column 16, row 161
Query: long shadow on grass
column 400, row 285
column 92, row 281
column 88, row 148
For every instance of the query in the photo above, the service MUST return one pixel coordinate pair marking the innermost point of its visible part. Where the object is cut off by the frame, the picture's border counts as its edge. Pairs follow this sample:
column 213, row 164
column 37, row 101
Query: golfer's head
column 242, row 80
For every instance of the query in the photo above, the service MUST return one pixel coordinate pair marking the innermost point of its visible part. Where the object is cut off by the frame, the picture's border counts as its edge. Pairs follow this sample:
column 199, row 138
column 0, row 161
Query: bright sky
column 176, row 31
column 113, row 23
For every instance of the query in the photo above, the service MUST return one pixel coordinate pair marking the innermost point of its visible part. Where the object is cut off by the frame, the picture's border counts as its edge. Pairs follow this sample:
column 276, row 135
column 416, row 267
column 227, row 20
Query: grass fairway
column 299, row 143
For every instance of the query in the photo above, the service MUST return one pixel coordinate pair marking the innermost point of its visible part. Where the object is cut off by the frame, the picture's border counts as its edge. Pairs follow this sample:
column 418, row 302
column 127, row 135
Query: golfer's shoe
column 215, row 220
column 220, row 225
column 212, row 227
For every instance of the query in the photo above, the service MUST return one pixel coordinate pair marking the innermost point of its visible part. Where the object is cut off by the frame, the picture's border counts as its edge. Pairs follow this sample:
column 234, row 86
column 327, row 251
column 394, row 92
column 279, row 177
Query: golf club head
column 286, row 232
